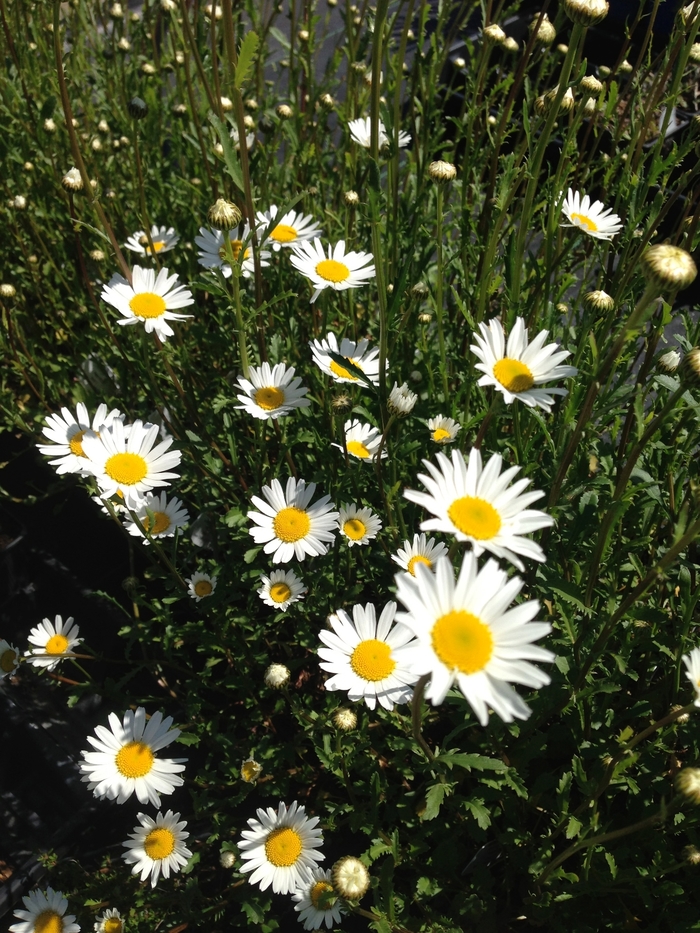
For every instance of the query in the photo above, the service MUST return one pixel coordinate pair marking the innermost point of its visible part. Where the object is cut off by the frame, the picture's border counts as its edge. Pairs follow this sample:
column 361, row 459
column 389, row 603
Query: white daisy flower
column 476, row 504
column 291, row 228
column 213, row 255
column 45, row 913
column 157, row 846
column 109, row 922
column 163, row 239
column 358, row 525
column 279, row 848
column 421, row 551
column 358, row 353
column 54, row 641
column 317, row 902
column 517, row 369
column 9, row 659
column 159, row 516
column 443, row 430
column 466, row 635
column 200, row 585
column 401, row 400
column 591, row 218
column 152, row 300
column 362, row 440
column 281, row 589
column 125, row 763
column 361, row 133
column 272, row 392
column 128, row 463
column 335, row 269
column 66, row 432
column 692, row 672
column 360, row 654
column 288, row 526
column 249, row 138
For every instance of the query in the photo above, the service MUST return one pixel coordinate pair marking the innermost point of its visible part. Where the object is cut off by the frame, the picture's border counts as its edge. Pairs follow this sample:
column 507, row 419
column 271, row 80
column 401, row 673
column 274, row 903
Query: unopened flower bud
column 97, row 255
column 72, row 181
column 224, row 215
column 350, row 878
column 510, row 44
column 591, row 85
column 351, row 198
column 226, row 104
column 420, row 291
column 326, row 102
column 123, row 45
column 148, row 69
column 303, row 35
column 227, row 859
column 341, row 402
column 689, row 369
column 276, row 676
column 116, row 11
column 668, row 267
column 284, row 112
column 586, row 12
column 7, row 290
column 401, row 400
column 493, row 33
column 600, row 300
column 442, row 172
column 625, row 67
column 137, row 108
column 50, row 125
column 691, row 855
column 459, row 62
column 19, row 202
column 669, row 362
column 687, row 782
column 545, row 32
column 345, row 719
column 180, row 110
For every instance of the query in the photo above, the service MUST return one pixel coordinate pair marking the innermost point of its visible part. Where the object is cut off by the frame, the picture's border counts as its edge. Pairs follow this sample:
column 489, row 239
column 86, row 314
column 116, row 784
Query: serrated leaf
column 246, row 54
column 230, row 157
column 573, row 828
column 433, row 800
column 479, row 762
column 479, row 811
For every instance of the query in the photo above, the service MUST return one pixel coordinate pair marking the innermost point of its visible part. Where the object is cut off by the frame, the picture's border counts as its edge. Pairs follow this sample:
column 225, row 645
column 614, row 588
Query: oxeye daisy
column 288, row 525
column 443, row 430
column 160, row 516
column 66, row 432
column 692, row 671
column 54, row 641
column 517, row 369
column 358, row 525
column 362, row 440
column 127, row 462
column 421, row 551
column 359, row 355
column 281, row 589
column 335, row 269
column 279, row 848
column 125, row 762
column 360, row 653
column 476, row 504
column 361, row 133
column 200, row 585
column 591, row 218
column 9, row 659
column 45, row 913
column 213, row 253
column 466, row 635
column 272, row 392
column 317, row 902
column 291, row 227
column 152, row 300
column 249, row 138
column 163, row 239
column 157, row 846
column 109, row 922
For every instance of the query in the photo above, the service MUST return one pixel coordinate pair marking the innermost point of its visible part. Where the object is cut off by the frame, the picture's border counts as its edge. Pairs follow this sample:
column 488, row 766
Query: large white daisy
column 53, row 642
column 466, row 635
column 157, row 846
column 280, row 848
column 362, row 440
column 288, row 525
column 125, row 759
column 45, row 913
column 358, row 354
column 160, row 516
column 281, row 589
column 9, row 659
column 692, row 671
column 591, row 218
column 317, row 902
column 152, row 300
column 163, row 239
column 361, row 655
column 66, row 432
column 334, row 269
column 420, row 551
column 213, row 255
column 272, row 392
column 361, row 133
column 128, row 463
column 518, row 368
column 291, row 228
column 358, row 525
column 476, row 504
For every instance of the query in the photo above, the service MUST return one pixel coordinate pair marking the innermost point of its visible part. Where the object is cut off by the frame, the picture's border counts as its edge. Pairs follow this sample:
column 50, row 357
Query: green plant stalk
column 142, row 196
column 416, row 716
column 439, row 294
column 184, row 13
column 240, row 325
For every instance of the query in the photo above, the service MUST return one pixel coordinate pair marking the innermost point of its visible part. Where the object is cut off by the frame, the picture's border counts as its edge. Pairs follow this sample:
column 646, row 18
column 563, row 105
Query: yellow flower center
column 440, row 434
column 372, row 660
column 418, row 559
column 321, row 895
column 332, row 271
column 76, row 444
column 157, row 246
column 113, row 925
column 126, row 469
column 161, row 523
column 358, row 449
column 48, row 921
column 291, row 524
column 7, row 660
column 513, row 375
column 203, row 588
column 280, row 592
column 147, row 305
column 57, row 644
column 585, row 222
column 269, row 398
column 159, row 843
column 475, row 517
column 235, row 249
column 283, row 847
column 342, row 372
column 134, row 760
column 283, row 233
column 462, row 641
column 355, row 529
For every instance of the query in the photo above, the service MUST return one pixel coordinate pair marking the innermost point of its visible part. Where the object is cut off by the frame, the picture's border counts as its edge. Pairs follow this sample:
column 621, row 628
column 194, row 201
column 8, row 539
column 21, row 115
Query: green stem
column 439, row 294
column 416, row 716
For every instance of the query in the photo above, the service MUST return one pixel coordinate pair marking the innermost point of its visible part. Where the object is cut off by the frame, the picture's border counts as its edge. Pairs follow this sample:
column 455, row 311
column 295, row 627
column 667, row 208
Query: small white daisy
column 151, row 300
column 359, row 355
column 160, row 516
column 109, row 922
column 125, row 762
column 358, row 525
column 163, row 239
column 9, row 659
column 279, row 848
column 128, row 463
column 591, row 218
column 362, row 440
column 401, row 401
column 66, row 432
column 361, row 133
column 200, row 585
column 281, row 589
column 476, row 504
column 360, row 654
column 272, row 392
column 517, row 369
column 317, row 902
column 335, row 269
column 45, row 913
column 157, row 846
column 443, row 430
column 288, row 525
column 421, row 551
column 291, row 228
column 692, row 671
column 213, row 255
column 249, row 138
column 466, row 635
column 54, row 641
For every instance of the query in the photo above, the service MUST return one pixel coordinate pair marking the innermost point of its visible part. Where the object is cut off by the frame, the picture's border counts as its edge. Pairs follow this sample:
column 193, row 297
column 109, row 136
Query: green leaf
column 187, row 738
column 479, row 811
column 246, row 54
column 574, row 828
column 434, row 798
column 479, row 762
column 352, row 368
column 230, row 157
column 281, row 38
